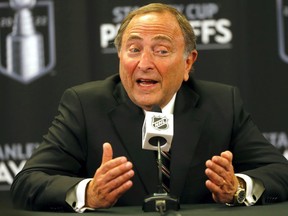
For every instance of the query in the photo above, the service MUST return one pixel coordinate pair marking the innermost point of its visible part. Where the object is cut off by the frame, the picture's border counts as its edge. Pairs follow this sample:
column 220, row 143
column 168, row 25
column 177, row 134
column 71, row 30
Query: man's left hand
column 222, row 181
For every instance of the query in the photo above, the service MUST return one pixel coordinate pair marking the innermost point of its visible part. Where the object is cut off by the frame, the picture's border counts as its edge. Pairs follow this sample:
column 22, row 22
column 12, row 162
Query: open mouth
column 146, row 82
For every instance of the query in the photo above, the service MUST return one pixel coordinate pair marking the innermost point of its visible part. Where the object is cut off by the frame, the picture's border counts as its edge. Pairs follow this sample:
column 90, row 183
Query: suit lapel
column 188, row 124
column 128, row 120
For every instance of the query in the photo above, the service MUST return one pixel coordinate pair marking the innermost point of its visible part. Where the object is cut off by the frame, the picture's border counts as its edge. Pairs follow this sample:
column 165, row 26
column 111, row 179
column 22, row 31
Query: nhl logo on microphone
column 157, row 126
column 160, row 122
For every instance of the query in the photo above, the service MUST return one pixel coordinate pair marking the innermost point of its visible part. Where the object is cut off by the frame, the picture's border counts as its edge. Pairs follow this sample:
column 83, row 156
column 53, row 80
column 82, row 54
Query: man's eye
column 134, row 50
column 162, row 52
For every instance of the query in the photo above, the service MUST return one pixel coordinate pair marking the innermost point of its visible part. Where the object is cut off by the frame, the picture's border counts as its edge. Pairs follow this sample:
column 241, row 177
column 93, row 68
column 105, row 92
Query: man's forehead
column 153, row 23
column 158, row 14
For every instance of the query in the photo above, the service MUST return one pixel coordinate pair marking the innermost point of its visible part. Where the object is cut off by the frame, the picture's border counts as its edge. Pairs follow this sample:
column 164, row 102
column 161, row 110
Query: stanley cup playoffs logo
column 27, row 43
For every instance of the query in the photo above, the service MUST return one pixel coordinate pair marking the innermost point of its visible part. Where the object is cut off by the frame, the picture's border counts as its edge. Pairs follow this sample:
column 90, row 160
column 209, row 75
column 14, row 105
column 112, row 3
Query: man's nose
column 146, row 61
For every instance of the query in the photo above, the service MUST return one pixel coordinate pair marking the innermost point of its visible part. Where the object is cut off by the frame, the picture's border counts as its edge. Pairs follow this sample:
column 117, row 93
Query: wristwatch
column 240, row 194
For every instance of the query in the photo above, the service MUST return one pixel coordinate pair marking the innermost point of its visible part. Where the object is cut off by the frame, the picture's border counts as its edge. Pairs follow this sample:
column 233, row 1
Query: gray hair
column 186, row 28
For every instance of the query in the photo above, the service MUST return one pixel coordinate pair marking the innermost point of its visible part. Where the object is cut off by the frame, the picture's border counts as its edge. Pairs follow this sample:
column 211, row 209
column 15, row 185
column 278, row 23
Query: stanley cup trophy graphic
column 25, row 52
column 282, row 24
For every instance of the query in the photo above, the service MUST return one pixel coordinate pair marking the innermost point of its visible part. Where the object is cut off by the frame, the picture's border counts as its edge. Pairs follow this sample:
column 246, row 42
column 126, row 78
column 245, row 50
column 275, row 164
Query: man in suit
column 92, row 157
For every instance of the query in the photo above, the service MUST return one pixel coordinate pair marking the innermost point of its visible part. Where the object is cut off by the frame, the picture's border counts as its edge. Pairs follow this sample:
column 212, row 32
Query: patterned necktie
column 165, row 169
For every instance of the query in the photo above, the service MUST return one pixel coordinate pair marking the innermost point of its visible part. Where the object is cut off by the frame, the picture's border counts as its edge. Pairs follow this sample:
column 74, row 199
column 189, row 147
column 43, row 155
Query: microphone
column 157, row 127
column 157, row 135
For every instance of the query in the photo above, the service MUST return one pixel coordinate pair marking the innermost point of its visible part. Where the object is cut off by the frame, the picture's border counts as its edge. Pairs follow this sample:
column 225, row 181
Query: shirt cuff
column 254, row 189
column 75, row 197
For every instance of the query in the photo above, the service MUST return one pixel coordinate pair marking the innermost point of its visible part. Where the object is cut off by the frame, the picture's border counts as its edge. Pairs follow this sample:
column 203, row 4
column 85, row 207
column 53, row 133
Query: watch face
column 241, row 195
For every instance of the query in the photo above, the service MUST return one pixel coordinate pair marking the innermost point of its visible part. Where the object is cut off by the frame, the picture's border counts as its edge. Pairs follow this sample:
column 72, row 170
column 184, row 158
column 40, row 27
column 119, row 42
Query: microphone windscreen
column 156, row 108
column 157, row 128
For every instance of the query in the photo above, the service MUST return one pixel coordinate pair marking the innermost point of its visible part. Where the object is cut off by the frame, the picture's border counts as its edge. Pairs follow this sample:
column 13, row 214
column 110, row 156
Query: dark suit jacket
column 208, row 119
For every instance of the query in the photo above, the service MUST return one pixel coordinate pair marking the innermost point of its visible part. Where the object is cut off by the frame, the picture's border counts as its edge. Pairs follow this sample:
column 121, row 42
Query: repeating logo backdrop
column 243, row 43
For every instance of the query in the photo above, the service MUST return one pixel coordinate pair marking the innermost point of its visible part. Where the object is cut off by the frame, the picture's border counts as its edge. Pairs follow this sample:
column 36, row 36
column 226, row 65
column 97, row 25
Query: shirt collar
column 169, row 108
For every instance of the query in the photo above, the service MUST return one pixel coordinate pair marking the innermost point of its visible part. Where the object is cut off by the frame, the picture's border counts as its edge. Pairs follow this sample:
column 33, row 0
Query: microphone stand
column 160, row 201
column 160, row 174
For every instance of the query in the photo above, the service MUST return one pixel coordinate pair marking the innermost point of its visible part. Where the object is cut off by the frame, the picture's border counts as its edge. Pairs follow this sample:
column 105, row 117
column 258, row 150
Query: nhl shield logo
column 27, row 42
column 160, row 123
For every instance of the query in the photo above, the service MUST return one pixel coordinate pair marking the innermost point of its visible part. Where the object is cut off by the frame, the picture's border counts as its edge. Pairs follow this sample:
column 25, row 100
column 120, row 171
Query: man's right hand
column 110, row 182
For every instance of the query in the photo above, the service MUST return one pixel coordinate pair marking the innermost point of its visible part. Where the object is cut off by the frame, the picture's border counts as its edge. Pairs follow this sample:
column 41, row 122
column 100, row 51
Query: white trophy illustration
column 282, row 23
column 25, row 51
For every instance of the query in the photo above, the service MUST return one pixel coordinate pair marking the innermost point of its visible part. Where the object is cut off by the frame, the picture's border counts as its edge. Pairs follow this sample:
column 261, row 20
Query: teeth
column 146, row 81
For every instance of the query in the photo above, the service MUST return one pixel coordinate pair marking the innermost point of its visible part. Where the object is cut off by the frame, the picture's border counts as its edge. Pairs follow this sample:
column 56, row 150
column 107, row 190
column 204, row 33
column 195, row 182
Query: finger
column 110, row 192
column 107, row 153
column 119, row 191
column 213, row 188
column 220, row 194
column 224, row 182
column 108, row 162
column 114, row 163
column 217, row 167
column 227, row 155
column 215, row 177
column 104, row 182
column 119, row 170
column 117, row 182
column 218, row 174
column 221, row 163
column 112, row 170
column 216, row 191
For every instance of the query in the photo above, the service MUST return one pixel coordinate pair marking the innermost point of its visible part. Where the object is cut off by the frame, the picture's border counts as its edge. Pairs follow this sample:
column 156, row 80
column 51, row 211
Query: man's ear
column 190, row 59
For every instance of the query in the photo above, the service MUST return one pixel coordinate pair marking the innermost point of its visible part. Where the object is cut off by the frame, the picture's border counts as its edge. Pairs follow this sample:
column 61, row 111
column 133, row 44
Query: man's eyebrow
column 134, row 37
column 162, row 38
column 157, row 37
